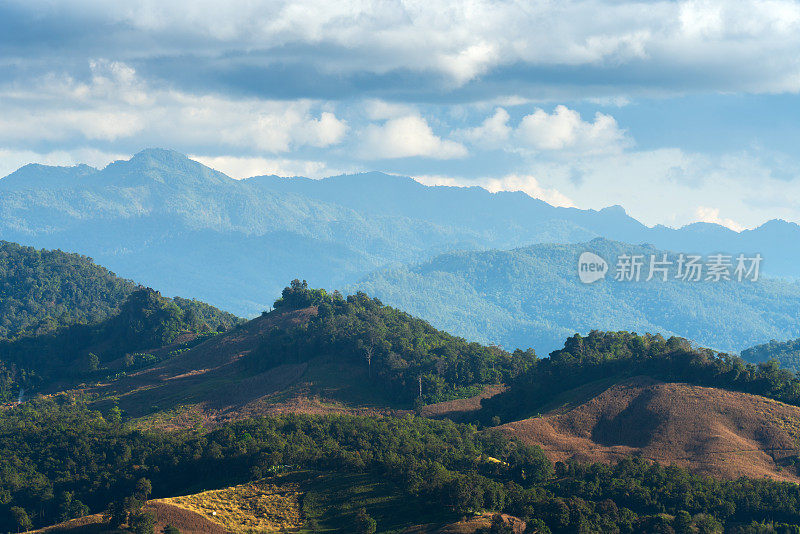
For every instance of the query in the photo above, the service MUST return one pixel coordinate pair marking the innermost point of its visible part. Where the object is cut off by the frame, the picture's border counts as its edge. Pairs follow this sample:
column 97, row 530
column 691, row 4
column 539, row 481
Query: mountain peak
column 164, row 166
column 159, row 154
column 616, row 209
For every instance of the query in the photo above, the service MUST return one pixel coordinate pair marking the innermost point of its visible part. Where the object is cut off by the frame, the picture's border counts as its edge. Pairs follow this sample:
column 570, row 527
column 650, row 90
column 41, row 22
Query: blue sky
column 677, row 110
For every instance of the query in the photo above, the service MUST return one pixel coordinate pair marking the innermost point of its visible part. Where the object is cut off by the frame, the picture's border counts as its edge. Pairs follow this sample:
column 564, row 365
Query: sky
column 679, row 111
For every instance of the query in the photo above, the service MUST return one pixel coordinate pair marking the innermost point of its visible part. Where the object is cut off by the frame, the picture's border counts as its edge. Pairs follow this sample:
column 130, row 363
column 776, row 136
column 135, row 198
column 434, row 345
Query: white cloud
column 664, row 186
column 405, row 137
column 669, row 186
column 378, row 110
column 513, row 182
column 491, row 132
column 711, row 215
column 116, row 104
column 245, row 167
column 565, row 130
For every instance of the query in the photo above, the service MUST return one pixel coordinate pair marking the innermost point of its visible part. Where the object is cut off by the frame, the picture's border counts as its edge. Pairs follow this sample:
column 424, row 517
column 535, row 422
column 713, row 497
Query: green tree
column 143, row 489
column 22, row 520
column 365, row 524
column 142, row 522
column 169, row 529
column 682, row 523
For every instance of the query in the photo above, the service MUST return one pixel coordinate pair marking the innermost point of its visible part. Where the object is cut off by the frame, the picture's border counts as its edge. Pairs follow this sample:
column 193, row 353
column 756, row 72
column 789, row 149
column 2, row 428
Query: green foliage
column 365, row 524
column 787, row 353
column 146, row 320
column 141, row 522
column 396, row 349
column 41, row 290
column 21, row 519
column 532, row 296
column 438, row 463
column 298, row 295
column 617, row 354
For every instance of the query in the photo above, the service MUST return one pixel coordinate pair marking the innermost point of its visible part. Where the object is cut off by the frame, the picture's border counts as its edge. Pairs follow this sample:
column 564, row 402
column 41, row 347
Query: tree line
column 59, row 459
column 601, row 355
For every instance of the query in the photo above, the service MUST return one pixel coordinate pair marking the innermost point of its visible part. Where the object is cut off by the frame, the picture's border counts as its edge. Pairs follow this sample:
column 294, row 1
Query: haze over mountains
column 185, row 229
column 524, row 297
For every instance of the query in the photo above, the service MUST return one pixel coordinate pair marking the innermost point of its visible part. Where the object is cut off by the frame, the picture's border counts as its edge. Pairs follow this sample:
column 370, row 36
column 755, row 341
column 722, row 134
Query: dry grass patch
column 256, row 506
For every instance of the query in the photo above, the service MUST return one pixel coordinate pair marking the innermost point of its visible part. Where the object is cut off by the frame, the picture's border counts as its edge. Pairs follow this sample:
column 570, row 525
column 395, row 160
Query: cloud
column 663, row 45
column 116, row 104
column 377, row 110
column 512, row 182
column 491, row 132
column 565, row 130
column 245, row 167
column 406, row 137
column 711, row 215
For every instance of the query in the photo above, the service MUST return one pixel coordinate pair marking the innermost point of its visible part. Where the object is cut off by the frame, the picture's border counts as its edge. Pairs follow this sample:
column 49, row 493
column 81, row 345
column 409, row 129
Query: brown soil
column 187, row 521
column 479, row 523
column 461, row 409
column 206, row 385
column 710, row 431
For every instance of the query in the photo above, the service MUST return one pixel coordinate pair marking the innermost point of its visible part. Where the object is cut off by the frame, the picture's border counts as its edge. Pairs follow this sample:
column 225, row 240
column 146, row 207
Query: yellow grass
column 257, row 506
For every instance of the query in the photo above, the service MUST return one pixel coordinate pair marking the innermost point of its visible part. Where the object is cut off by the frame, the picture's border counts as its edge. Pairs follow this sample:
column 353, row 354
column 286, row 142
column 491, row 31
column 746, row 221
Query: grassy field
column 307, row 502
column 254, row 507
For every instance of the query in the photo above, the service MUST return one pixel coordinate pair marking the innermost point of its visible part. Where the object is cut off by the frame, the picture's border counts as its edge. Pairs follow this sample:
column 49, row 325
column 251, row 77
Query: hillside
column 332, row 382
column 173, row 224
column 144, row 328
column 532, row 297
column 710, row 431
column 41, row 290
column 314, row 353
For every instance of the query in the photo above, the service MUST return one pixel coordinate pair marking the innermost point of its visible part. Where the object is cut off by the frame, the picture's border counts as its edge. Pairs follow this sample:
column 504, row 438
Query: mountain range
column 178, row 226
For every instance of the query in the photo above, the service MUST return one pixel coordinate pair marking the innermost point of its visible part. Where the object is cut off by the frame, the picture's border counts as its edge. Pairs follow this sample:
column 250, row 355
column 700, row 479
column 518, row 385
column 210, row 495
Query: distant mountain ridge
column 177, row 225
column 531, row 296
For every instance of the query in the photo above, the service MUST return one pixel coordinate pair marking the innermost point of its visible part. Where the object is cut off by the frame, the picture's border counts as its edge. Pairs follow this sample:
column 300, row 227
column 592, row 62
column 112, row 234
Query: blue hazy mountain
column 183, row 228
column 532, row 296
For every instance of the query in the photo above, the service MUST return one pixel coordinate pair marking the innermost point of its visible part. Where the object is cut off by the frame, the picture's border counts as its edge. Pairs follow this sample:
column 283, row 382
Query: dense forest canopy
column 409, row 357
column 602, row 355
column 41, row 290
column 440, row 463
column 146, row 320
column 532, row 296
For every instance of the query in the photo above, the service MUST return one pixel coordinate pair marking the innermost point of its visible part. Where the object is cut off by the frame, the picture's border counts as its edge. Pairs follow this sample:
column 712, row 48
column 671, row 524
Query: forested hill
column 41, row 290
column 786, row 353
column 615, row 356
column 145, row 321
column 532, row 297
column 406, row 356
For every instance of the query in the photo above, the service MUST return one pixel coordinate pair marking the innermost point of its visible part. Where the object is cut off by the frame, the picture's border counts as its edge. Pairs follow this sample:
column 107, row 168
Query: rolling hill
column 532, row 296
column 315, row 353
column 707, row 430
column 41, row 290
column 304, row 413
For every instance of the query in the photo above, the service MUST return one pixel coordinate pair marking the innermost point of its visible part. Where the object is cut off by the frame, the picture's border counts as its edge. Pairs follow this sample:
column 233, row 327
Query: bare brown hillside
column 187, row 521
column 707, row 430
column 207, row 384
